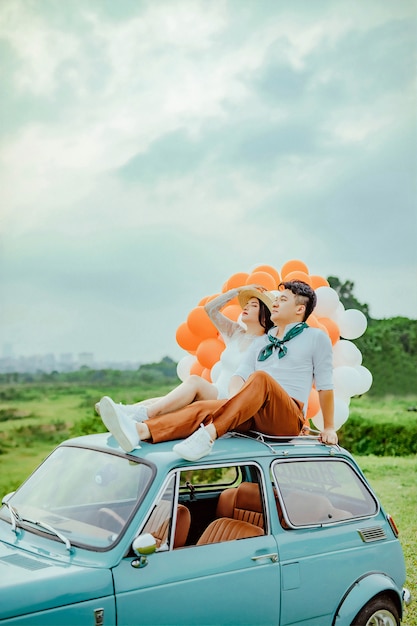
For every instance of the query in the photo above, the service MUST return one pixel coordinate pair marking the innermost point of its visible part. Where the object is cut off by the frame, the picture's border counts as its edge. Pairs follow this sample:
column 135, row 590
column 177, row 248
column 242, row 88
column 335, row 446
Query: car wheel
column 380, row 611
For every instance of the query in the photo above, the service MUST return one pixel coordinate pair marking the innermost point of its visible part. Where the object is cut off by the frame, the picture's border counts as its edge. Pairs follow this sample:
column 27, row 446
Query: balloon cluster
column 200, row 338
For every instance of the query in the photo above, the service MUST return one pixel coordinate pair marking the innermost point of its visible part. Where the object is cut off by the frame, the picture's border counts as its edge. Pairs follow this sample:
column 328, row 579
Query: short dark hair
column 305, row 294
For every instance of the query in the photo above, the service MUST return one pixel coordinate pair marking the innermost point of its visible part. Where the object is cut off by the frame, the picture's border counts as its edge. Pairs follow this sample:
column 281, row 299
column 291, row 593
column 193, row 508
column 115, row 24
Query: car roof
column 229, row 448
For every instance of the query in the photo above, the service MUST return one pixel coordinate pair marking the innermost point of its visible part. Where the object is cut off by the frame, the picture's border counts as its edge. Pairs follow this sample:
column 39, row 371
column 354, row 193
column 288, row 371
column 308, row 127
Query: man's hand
column 328, row 436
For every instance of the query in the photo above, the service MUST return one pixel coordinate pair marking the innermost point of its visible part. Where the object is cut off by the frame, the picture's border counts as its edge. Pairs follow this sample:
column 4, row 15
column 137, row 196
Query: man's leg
column 261, row 404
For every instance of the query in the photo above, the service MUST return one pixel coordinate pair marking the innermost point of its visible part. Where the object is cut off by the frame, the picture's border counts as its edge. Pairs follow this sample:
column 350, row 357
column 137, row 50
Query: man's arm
column 326, row 399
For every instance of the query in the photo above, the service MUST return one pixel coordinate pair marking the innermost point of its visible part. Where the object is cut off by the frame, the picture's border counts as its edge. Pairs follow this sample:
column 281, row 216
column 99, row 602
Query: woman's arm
column 223, row 324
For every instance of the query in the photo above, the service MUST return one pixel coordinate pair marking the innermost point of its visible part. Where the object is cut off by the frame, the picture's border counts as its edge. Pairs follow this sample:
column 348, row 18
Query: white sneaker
column 196, row 446
column 121, row 426
column 137, row 412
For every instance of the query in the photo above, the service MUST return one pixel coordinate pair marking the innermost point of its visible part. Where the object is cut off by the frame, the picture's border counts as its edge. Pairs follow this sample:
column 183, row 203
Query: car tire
column 381, row 610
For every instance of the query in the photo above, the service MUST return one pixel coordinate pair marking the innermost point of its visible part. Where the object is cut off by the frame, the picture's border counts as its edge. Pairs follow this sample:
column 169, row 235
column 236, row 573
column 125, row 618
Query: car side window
column 159, row 522
column 225, row 503
column 208, row 505
column 320, row 492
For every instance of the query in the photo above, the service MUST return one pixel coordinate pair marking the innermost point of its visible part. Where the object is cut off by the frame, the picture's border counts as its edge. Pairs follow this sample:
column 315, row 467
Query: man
column 270, row 389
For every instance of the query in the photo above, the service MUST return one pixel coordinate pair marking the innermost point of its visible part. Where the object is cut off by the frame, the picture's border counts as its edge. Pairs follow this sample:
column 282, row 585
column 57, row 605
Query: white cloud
column 169, row 147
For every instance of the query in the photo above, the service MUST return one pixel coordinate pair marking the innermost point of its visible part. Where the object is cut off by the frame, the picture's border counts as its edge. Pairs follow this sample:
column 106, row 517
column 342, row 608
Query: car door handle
column 273, row 556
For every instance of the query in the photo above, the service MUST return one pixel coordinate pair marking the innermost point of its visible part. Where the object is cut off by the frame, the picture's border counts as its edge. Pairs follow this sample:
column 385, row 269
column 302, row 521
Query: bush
column 363, row 436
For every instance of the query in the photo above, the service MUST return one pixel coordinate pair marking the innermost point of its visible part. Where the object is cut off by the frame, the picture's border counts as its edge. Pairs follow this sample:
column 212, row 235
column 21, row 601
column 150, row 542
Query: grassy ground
column 394, row 480
column 35, row 420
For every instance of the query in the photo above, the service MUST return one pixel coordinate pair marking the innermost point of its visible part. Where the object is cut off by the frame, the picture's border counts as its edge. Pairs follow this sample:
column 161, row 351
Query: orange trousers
column 261, row 405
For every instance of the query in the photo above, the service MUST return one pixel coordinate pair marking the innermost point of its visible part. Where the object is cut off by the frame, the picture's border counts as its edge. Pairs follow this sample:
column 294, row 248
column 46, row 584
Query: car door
column 325, row 504
column 229, row 582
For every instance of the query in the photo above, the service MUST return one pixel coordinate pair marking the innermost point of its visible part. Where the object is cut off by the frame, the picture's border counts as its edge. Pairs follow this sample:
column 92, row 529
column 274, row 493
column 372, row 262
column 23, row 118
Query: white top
column 309, row 358
column 236, row 340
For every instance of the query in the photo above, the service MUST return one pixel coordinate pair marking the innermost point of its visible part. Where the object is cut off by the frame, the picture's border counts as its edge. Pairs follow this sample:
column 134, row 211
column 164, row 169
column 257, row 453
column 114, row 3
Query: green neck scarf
column 278, row 344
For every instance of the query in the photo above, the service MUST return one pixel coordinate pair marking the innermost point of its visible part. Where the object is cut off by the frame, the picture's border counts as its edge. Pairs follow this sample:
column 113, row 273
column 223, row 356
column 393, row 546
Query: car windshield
column 83, row 496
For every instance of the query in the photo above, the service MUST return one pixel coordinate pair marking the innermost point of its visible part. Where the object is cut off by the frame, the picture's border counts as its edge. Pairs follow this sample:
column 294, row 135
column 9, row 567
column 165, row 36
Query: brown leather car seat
column 159, row 520
column 227, row 529
column 242, row 503
column 305, row 508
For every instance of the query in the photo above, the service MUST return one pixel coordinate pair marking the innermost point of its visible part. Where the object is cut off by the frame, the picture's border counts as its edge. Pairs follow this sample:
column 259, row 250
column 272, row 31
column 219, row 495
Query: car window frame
column 287, row 524
column 177, row 471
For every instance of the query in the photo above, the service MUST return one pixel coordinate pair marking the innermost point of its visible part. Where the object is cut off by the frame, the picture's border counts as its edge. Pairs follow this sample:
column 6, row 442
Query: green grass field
column 34, row 421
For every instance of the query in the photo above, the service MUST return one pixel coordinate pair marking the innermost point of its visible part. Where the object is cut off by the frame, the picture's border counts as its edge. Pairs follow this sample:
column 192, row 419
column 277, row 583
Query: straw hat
column 246, row 294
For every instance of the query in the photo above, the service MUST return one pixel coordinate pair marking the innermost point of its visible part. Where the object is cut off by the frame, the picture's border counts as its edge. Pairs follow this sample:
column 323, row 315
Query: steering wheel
column 106, row 515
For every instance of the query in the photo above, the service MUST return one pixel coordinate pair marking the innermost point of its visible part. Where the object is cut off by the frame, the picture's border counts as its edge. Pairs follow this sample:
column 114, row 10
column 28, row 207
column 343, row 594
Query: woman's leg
column 178, row 424
column 194, row 388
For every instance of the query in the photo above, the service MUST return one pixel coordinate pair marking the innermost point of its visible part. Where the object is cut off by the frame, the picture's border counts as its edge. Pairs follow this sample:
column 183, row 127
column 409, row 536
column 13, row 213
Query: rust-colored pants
column 261, row 404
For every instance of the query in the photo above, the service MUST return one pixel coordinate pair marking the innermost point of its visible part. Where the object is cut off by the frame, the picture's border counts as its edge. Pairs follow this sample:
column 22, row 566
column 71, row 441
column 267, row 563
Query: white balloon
column 184, row 366
column 341, row 413
column 338, row 313
column 365, row 380
column 346, row 353
column 352, row 324
column 346, row 381
column 318, row 421
column 215, row 371
column 327, row 302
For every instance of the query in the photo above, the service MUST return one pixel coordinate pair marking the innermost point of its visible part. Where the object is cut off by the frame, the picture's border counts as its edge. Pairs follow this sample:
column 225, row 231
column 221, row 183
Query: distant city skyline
column 63, row 362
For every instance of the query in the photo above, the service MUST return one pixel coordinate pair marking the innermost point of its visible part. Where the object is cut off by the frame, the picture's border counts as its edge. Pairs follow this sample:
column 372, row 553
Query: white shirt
column 236, row 340
column 309, row 358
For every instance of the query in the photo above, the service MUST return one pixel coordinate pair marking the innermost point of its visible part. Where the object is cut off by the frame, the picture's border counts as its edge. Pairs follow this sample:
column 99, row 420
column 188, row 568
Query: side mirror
column 7, row 497
column 143, row 546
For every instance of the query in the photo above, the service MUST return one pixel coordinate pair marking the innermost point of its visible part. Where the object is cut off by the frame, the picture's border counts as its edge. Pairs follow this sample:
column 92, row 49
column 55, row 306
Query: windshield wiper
column 17, row 520
column 14, row 516
column 48, row 528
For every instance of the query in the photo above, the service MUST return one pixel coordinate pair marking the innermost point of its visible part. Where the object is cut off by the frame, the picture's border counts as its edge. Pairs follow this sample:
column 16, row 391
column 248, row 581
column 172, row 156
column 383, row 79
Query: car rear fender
column 361, row 592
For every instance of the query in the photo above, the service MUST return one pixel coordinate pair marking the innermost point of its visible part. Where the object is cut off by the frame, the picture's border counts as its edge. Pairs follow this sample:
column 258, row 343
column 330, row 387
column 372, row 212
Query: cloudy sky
column 151, row 149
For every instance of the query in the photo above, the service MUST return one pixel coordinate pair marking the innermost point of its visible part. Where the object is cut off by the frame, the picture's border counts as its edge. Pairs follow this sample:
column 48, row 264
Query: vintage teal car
column 284, row 531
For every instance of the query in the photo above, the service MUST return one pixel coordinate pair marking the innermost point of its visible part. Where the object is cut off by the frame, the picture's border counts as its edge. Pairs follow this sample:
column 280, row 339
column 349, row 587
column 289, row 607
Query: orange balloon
column 269, row 270
column 313, row 406
column 262, row 278
column 186, row 339
column 210, row 298
column 232, row 311
column 293, row 266
column 312, row 321
column 204, row 301
column 237, row 280
column 206, row 374
column 209, row 351
column 331, row 327
column 196, row 369
column 200, row 324
column 298, row 275
column 318, row 281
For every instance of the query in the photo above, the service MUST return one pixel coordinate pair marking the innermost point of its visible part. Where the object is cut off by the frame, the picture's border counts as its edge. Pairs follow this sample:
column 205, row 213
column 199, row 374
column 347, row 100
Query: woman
column 256, row 316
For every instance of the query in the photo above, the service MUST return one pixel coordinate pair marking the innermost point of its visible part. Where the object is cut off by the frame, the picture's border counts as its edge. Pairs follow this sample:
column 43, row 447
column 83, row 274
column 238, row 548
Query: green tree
column 389, row 351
